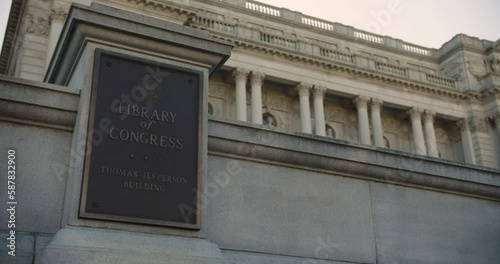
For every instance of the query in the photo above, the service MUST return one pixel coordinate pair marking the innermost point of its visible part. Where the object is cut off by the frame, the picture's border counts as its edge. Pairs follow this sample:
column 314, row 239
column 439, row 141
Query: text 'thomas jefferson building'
column 206, row 131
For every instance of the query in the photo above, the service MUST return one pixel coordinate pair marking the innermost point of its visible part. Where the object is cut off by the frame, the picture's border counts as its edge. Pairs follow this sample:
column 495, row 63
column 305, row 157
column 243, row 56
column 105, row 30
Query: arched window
column 269, row 120
column 330, row 132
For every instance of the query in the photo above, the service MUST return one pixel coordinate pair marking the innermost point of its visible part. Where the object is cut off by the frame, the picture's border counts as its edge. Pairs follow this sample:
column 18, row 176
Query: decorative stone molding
column 58, row 14
column 240, row 74
column 361, row 101
column 319, row 92
column 303, row 89
column 415, row 113
column 479, row 125
column 36, row 23
column 257, row 78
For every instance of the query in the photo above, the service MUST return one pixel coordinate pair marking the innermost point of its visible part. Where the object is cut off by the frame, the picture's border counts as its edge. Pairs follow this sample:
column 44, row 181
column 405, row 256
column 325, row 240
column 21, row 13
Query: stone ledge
column 89, row 245
column 36, row 103
column 351, row 160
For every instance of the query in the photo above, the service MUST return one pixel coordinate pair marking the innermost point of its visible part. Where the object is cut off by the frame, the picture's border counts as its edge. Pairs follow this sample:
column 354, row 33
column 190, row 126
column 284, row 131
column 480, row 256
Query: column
column 305, row 113
column 430, row 135
column 319, row 110
column 240, row 77
column 256, row 80
column 468, row 147
column 57, row 17
column 418, row 135
column 496, row 120
column 378, row 131
column 361, row 103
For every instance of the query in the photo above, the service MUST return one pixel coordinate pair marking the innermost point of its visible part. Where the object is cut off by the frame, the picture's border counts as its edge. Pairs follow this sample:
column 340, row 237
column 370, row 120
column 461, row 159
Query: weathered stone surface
column 23, row 252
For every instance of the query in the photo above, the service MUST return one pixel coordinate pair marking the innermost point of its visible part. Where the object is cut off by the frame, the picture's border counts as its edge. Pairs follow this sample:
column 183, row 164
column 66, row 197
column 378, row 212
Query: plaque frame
column 202, row 93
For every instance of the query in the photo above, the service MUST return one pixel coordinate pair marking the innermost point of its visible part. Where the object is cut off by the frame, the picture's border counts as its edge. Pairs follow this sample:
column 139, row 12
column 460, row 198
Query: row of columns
column 256, row 79
column 424, row 138
column 304, row 90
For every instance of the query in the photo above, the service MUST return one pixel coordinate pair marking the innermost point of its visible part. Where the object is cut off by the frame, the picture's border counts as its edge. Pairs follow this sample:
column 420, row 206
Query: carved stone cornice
column 415, row 113
column 376, row 103
column 319, row 92
column 37, row 23
column 240, row 74
column 361, row 101
column 257, row 78
column 478, row 125
column 429, row 116
column 58, row 15
column 303, row 89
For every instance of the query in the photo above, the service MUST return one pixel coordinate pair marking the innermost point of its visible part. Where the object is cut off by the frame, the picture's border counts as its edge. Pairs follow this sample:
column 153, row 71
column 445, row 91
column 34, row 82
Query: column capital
column 240, row 74
column 319, row 91
column 303, row 89
column 415, row 113
column 429, row 115
column 376, row 103
column 361, row 101
column 257, row 78
column 478, row 125
column 463, row 124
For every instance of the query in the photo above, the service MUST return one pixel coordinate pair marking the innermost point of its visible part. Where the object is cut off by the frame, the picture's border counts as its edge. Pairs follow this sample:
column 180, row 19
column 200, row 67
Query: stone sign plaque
column 143, row 150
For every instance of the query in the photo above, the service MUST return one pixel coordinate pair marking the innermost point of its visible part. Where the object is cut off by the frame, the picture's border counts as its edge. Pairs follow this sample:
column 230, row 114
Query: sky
column 428, row 23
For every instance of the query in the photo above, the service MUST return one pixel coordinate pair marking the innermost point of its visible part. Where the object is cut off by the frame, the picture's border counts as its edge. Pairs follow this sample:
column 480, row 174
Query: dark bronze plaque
column 143, row 148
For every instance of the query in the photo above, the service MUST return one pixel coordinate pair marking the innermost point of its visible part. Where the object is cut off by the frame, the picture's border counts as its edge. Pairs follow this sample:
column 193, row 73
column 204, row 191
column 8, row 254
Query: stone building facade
column 312, row 76
column 408, row 136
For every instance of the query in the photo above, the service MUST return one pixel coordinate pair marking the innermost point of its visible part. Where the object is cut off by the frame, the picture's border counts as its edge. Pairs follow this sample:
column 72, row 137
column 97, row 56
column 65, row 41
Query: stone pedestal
column 86, row 237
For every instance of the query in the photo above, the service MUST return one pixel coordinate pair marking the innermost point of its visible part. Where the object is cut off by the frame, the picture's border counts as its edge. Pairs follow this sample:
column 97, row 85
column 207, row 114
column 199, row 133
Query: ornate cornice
column 11, row 34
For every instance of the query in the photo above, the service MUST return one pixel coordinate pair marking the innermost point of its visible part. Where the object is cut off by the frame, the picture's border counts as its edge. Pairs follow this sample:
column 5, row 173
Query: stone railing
column 318, row 23
column 335, row 27
column 392, row 69
column 263, row 8
column 441, row 80
column 368, row 37
column 278, row 41
column 416, row 49
column 336, row 55
column 213, row 24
